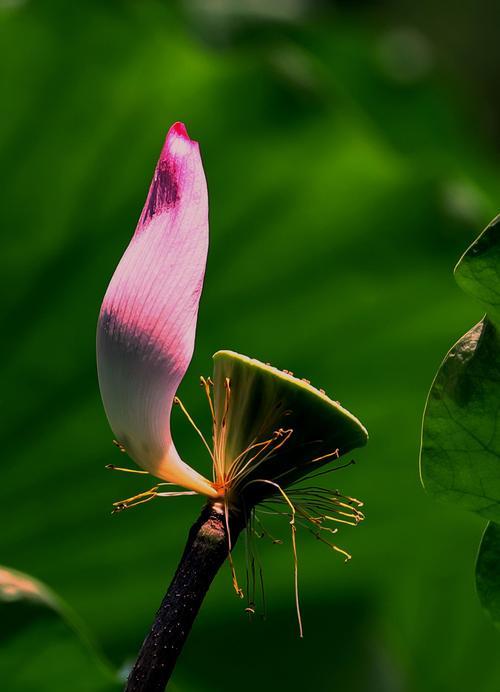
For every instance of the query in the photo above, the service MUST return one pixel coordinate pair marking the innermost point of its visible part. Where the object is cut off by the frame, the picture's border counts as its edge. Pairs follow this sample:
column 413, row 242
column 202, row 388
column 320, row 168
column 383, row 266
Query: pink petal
column 147, row 323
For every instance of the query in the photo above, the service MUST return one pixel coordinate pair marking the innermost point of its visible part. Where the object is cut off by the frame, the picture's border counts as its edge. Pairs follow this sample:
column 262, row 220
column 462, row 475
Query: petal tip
column 178, row 143
column 178, row 129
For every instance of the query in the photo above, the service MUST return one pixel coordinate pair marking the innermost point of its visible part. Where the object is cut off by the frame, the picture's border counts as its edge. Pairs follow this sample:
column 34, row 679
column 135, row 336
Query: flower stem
column 206, row 550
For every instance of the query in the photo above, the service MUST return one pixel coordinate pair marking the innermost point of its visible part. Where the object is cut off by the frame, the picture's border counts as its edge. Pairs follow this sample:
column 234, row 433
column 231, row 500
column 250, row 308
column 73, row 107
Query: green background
column 351, row 155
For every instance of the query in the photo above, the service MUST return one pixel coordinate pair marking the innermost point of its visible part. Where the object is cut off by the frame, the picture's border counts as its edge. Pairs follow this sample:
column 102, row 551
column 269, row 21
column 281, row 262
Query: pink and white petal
column 147, row 323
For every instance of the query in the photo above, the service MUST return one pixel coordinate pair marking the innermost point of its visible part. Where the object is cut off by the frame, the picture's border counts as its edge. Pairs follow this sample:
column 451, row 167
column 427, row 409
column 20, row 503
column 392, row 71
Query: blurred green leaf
column 43, row 644
column 461, row 438
column 478, row 271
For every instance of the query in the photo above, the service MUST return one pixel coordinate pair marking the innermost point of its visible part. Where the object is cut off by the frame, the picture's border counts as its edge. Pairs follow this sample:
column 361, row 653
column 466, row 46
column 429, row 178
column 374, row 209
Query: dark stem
column 206, row 550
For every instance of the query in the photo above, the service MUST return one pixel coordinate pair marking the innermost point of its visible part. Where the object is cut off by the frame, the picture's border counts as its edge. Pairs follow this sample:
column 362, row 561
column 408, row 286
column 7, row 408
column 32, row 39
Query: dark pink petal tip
column 178, row 129
column 178, row 144
column 178, row 159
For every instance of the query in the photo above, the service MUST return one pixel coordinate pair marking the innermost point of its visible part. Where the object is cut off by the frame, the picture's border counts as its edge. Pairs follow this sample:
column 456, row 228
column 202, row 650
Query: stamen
column 112, row 467
column 185, row 412
column 223, row 426
column 335, row 468
column 265, row 532
column 250, row 572
column 252, row 561
column 232, row 474
column 236, row 586
column 342, row 521
column 294, row 546
column 220, row 434
column 244, row 452
column 335, row 453
column 120, row 446
column 177, row 493
column 146, row 496
column 347, row 555
column 321, row 499
column 135, row 500
column 206, row 384
column 281, row 434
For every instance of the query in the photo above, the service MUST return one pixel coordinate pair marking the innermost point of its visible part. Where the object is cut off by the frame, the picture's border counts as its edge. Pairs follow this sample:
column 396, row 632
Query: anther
column 120, row 446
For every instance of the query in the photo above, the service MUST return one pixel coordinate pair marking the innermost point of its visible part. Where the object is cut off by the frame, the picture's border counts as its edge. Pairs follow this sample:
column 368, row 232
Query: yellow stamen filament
column 112, row 467
column 133, row 501
column 146, row 496
column 206, row 383
column 184, row 410
column 347, row 555
column 342, row 521
column 335, row 453
column 220, row 439
column 254, row 445
column 282, row 435
column 233, row 476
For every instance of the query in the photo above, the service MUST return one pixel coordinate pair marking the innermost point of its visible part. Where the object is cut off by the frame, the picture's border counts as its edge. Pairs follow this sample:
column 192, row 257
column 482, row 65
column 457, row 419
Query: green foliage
column 43, row 645
column 460, row 458
column 488, row 571
column 478, row 271
column 339, row 197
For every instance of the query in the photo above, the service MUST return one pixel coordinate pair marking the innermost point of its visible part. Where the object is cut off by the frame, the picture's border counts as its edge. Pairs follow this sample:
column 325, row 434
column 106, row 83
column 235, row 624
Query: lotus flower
column 147, row 323
column 270, row 428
